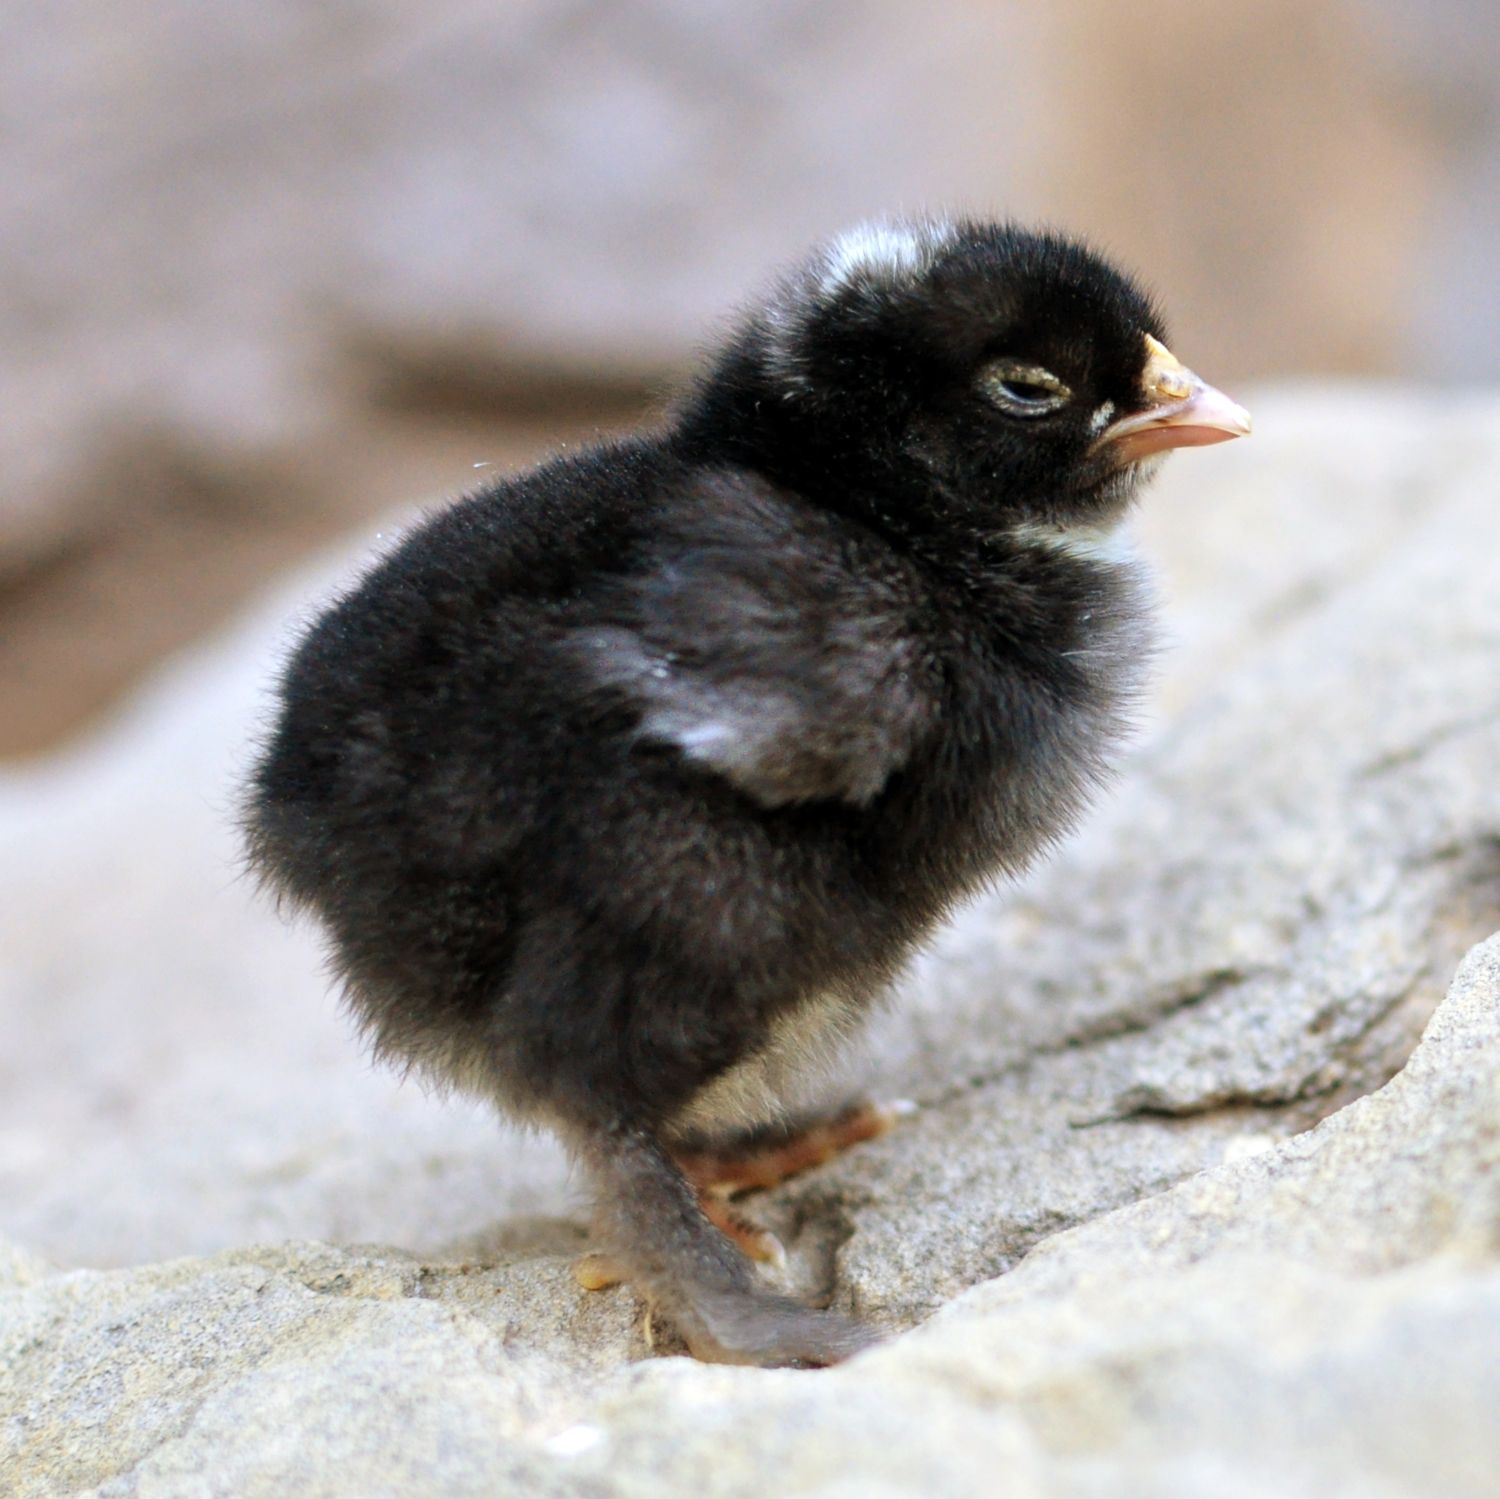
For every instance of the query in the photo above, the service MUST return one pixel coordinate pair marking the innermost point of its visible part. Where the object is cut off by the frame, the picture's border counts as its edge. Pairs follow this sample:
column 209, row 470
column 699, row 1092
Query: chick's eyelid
column 1023, row 372
column 1023, row 388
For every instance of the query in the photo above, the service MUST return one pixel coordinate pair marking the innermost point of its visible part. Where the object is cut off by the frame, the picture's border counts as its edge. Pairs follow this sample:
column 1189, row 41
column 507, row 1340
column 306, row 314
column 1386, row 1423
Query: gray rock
column 1317, row 1318
column 1320, row 1317
column 1122, row 1067
column 19, row 1267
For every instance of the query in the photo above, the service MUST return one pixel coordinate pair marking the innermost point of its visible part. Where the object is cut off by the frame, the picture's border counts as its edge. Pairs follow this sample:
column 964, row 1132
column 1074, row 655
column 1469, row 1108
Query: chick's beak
column 1182, row 411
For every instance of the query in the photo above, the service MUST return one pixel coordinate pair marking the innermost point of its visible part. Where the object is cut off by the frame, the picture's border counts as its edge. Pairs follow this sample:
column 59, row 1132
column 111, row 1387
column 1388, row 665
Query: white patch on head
column 869, row 257
column 1100, row 419
column 881, row 253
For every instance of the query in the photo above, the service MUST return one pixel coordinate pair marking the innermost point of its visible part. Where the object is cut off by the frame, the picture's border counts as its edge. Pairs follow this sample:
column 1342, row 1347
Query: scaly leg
column 649, row 1222
column 764, row 1158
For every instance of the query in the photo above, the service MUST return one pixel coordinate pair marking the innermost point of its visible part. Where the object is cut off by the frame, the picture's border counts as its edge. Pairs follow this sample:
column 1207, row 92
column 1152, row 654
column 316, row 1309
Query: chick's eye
column 1023, row 389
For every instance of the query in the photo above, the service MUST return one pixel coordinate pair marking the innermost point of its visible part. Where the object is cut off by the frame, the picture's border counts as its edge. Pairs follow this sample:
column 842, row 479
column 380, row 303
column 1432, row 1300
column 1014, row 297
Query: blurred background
column 272, row 271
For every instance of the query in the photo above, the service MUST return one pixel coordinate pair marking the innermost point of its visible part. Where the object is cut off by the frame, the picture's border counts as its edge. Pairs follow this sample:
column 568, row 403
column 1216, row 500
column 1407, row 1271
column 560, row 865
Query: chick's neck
column 843, row 459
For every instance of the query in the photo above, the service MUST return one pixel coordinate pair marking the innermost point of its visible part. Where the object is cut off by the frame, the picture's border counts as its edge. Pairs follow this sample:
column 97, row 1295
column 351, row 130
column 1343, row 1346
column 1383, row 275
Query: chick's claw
column 597, row 1272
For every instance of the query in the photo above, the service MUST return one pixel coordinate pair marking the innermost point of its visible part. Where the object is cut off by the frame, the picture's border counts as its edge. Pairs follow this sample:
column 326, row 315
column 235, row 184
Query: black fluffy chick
column 618, row 784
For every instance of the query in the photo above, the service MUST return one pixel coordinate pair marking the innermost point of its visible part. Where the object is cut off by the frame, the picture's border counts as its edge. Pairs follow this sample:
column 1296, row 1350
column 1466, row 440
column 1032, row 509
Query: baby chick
column 620, row 785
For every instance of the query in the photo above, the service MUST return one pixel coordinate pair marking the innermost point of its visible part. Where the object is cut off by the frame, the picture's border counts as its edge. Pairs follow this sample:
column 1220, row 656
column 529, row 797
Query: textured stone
column 1319, row 1317
column 19, row 1267
column 1153, row 1269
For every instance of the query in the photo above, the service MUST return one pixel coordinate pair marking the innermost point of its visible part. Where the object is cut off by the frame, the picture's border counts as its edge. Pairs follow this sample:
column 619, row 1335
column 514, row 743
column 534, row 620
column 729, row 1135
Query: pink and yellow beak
column 1183, row 411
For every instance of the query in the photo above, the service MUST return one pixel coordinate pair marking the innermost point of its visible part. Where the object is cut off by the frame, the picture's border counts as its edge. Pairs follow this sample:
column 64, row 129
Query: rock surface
column 1136, row 1267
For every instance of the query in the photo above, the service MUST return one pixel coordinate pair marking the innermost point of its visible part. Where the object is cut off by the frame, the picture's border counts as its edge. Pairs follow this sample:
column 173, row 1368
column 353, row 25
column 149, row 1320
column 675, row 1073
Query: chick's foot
column 766, row 1158
column 597, row 1272
column 757, row 1161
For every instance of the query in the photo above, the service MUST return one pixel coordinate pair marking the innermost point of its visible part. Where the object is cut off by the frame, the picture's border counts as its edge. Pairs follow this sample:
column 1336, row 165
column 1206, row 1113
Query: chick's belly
column 690, row 863
column 780, row 1079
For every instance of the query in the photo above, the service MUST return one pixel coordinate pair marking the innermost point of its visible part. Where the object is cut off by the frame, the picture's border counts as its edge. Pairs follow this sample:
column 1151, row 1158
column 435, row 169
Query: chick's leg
column 656, row 1235
column 760, row 1159
column 597, row 1272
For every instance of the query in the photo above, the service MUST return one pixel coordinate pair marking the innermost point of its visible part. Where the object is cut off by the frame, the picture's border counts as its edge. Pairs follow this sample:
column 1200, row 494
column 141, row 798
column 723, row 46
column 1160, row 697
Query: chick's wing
column 770, row 645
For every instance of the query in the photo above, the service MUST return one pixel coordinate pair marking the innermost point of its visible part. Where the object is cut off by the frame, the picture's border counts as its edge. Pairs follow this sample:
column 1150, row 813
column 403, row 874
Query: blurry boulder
column 271, row 269
column 224, row 226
